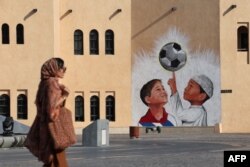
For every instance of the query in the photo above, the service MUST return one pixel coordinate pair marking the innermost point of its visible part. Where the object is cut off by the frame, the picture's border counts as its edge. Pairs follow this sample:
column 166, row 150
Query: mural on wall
column 172, row 86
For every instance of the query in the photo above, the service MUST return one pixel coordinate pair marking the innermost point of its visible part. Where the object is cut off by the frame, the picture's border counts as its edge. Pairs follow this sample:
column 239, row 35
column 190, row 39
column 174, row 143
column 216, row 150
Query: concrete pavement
column 172, row 150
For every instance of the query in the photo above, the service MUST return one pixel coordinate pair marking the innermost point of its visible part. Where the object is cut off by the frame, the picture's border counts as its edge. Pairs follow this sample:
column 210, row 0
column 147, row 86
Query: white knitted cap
column 205, row 83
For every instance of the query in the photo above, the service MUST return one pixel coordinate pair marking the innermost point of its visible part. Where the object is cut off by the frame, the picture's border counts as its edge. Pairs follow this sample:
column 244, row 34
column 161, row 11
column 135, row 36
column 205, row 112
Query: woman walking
column 49, row 99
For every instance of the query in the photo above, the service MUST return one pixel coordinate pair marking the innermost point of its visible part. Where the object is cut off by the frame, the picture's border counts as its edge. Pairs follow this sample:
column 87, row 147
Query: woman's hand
column 65, row 91
column 54, row 115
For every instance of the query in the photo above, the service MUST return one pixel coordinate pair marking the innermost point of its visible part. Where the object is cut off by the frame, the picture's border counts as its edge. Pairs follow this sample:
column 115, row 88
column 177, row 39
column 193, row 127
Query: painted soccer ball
column 172, row 57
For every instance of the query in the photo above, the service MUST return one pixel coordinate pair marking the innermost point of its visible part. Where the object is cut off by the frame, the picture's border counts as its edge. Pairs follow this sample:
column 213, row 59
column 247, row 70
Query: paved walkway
column 173, row 150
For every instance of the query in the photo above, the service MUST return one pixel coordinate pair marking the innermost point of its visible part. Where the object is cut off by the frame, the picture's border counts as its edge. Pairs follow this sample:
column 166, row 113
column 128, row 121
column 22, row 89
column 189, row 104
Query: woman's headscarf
column 49, row 69
column 48, row 90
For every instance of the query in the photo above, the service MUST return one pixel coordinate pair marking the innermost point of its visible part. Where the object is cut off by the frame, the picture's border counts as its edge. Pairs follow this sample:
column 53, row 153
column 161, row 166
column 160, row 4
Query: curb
column 12, row 141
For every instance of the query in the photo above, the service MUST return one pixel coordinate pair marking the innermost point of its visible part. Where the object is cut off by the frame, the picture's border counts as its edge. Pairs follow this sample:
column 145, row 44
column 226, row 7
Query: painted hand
column 172, row 84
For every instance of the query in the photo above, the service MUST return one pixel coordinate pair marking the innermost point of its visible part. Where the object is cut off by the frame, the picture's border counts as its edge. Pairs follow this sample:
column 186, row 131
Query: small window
column 79, row 109
column 22, row 109
column 5, row 34
column 94, row 42
column 94, row 108
column 110, row 108
column 5, row 105
column 19, row 34
column 78, row 42
column 242, row 35
column 109, row 42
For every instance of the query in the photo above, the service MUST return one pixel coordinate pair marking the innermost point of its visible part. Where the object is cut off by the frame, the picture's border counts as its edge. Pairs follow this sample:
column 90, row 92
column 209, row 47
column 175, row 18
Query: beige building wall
column 102, row 74
column 49, row 30
column 21, row 63
column 197, row 19
column 234, row 68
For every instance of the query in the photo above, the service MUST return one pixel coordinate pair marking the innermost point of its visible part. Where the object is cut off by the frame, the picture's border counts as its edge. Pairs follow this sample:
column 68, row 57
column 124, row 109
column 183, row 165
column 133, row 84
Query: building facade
column 100, row 41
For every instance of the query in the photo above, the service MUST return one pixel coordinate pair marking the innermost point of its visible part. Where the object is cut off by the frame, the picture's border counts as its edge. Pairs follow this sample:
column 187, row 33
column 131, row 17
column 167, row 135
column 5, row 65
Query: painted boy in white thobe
column 198, row 90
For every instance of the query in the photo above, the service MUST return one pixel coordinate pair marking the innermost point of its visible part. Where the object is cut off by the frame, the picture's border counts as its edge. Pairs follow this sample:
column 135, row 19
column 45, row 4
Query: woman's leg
column 48, row 165
column 60, row 159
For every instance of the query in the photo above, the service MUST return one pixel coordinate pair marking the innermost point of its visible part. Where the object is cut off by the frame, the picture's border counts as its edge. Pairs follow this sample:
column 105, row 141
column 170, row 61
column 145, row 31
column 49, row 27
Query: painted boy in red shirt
column 155, row 97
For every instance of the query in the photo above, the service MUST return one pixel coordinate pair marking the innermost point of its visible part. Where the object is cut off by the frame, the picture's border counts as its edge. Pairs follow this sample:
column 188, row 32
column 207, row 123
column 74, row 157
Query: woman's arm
column 56, row 97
